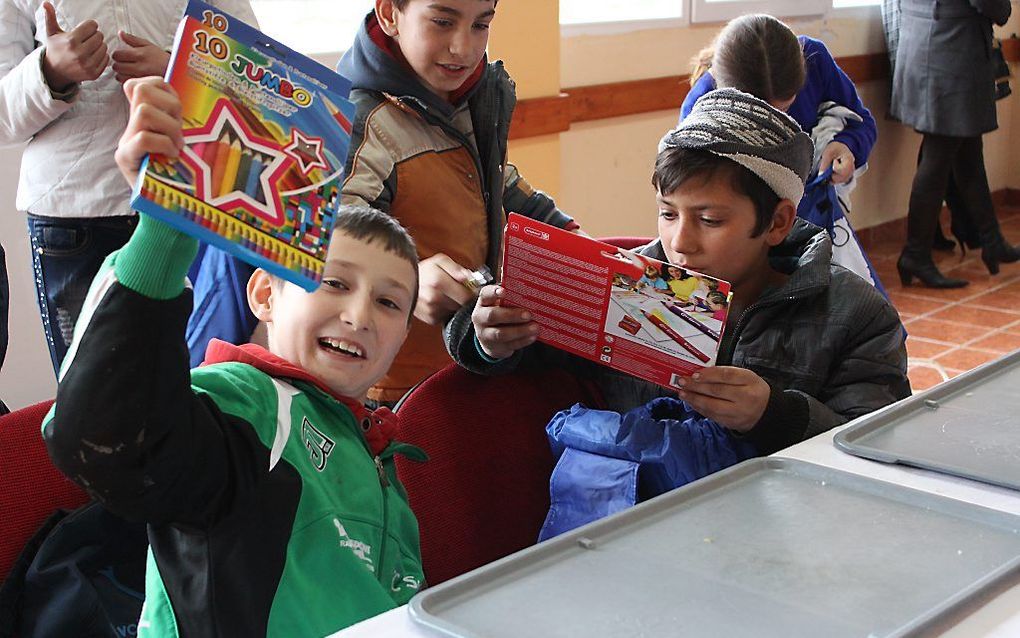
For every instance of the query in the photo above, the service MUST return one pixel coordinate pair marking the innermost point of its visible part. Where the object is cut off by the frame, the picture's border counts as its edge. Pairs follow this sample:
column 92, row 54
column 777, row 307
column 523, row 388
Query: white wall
column 27, row 376
column 606, row 164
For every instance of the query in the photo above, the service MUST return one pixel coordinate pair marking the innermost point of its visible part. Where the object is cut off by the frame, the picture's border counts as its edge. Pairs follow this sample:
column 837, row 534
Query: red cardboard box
column 632, row 313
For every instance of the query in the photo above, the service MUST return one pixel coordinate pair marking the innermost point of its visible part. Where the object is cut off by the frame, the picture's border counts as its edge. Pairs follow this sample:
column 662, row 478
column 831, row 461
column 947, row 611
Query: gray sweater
column 829, row 345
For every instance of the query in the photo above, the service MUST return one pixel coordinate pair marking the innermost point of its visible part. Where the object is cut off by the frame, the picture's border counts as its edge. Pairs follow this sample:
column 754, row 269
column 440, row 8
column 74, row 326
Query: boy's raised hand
column 441, row 289
column 72, row 56
column 501, row 331
column 735, row 398
column 154, row 125
column 139, row 59
column 841, row 159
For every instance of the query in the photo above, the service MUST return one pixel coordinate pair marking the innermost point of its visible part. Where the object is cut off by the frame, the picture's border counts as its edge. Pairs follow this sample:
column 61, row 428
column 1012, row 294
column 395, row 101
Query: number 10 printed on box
column 632, row 313
column 266, row 134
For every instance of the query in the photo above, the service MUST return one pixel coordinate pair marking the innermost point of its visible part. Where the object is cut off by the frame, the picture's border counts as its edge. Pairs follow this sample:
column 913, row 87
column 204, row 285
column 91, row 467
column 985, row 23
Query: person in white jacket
column 61, row 68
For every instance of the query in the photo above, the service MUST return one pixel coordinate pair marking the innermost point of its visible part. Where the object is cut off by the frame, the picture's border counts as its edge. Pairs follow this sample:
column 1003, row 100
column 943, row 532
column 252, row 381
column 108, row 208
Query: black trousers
column 942, row 156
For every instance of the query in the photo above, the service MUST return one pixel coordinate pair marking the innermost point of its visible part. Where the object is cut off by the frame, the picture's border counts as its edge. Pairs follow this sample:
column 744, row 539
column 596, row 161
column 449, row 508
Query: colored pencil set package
column 632, row 313
column 266, row 134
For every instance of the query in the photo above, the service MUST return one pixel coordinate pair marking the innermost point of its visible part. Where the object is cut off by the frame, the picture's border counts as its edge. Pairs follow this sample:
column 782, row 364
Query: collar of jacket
column 371, row 64
column 805, row 255
column 379, row 426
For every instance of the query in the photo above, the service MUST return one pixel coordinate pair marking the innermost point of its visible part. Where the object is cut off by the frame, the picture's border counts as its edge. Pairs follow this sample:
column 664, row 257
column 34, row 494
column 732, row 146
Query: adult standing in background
column 944, row 87
column 61, row 68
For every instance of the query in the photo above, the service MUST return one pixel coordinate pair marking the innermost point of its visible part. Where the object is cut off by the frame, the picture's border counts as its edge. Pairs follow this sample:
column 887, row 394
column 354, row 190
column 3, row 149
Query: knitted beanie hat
column 752, row 133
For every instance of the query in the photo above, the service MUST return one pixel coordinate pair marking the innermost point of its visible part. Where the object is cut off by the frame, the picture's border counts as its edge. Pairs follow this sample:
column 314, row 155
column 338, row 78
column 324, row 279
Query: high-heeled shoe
column 997, row 251
column 909, row 267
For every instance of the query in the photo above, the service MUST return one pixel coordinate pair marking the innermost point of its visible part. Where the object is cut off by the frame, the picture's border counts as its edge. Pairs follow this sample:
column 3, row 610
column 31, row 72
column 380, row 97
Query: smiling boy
column 269, row 490
column 808, row 345
column 429, row 147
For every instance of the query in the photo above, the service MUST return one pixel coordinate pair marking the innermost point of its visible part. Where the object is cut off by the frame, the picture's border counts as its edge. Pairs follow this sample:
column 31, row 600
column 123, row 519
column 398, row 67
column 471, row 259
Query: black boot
column 910, row 266
column 941, row 242
column 995, row 249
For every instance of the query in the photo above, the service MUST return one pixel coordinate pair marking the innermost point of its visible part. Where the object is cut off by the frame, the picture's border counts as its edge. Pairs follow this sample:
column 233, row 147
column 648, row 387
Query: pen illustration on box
column 266, row 133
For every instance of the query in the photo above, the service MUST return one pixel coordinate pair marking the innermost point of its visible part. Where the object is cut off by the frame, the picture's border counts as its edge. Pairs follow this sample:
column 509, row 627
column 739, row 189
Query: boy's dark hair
column 674, row 166
column 400, row 5
column 365, row 223
column 756, row 54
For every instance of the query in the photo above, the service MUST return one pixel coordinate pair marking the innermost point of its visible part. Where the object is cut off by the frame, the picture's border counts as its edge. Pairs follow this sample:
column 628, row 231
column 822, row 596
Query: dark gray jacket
column 943, row 80
column 830, row 346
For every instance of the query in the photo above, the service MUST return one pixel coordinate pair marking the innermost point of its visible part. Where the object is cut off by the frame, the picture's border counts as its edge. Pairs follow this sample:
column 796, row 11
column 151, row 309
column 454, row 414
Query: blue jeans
column 66, row 255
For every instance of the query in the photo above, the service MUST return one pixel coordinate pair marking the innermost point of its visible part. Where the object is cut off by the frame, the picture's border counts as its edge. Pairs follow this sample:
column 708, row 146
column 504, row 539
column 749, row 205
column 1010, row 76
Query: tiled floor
column 951, row 331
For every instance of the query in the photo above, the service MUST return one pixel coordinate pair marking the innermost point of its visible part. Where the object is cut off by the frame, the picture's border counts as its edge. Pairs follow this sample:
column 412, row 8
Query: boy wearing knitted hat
column 808, row 345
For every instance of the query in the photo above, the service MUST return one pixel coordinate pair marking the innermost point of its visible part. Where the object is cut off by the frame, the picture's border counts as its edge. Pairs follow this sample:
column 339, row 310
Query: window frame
column 708, row 11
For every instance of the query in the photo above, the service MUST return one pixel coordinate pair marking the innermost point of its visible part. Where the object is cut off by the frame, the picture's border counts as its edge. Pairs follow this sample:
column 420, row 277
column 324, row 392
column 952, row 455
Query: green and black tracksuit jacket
column 273, row 506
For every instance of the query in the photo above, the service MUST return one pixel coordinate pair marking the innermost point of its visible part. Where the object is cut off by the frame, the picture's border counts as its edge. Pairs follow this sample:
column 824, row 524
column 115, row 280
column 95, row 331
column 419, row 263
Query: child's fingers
column 150, row 118
column 506, row 335
column 489, row 295
column 501, row 316
column 158, row 94
column 133, row 40
column 151, row 142
column 97, row 62
column 127, row 55
column 84, row 31
column 712, row 407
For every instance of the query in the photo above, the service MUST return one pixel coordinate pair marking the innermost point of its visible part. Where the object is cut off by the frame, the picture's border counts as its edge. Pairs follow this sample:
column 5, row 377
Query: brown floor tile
column 1014, row 329
column 965, row 358
column 945, row 295
column 941, row 331
column 1001, row 342
column 1012, row 288
column 918, row 348
column 907, row 303
column 967, row 313
column 922, row 378
column 1005, row 301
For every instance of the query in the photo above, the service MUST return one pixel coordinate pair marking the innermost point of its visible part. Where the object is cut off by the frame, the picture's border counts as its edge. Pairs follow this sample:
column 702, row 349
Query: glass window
column 723, row 10
column 596, row 11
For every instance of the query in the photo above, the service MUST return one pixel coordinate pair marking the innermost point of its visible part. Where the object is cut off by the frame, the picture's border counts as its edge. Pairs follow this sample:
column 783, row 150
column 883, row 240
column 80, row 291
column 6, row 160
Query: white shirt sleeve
column 26, row 103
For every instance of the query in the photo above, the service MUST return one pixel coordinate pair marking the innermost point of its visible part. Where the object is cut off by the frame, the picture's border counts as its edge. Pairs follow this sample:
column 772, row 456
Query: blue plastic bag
column 608, row 461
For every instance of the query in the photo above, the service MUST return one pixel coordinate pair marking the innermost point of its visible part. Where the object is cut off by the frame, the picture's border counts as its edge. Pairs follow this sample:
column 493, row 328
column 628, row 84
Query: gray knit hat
column 752, row 133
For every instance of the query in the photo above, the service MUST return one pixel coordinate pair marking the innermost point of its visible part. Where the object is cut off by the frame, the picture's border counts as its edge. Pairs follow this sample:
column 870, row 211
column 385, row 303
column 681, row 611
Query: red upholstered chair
column 31, row 488
column 484, row 492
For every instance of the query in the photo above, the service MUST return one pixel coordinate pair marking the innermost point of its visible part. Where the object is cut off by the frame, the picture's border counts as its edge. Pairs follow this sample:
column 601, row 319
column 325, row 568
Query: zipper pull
column 385, row 482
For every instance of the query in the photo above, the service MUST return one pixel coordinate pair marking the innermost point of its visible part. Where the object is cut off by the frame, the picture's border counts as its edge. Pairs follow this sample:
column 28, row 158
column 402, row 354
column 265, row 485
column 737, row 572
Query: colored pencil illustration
column 675, row 336
column 218, row 166
column 683, row 314
column 253, row 187
column 230, row 167
column 243, row 168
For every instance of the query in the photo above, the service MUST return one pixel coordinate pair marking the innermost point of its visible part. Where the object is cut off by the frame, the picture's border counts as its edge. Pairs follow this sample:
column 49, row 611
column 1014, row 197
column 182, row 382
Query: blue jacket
column 825, row 82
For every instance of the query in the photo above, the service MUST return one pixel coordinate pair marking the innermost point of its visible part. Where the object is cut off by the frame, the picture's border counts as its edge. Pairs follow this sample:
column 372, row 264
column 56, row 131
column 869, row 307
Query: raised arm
column 126, row 424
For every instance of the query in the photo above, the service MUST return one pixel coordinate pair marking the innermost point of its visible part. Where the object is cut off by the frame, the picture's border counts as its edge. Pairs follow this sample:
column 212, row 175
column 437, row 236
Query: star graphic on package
column 235, row 167
column 307, row 151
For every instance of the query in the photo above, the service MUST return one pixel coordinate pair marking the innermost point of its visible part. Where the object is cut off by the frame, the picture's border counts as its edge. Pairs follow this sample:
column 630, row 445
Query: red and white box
column 635, row 314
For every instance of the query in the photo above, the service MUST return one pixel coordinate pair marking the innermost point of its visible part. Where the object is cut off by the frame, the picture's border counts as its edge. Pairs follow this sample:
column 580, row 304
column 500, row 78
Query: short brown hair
column 400, row 5
column 756, row 54
column 368, row 224
column 675, row 165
